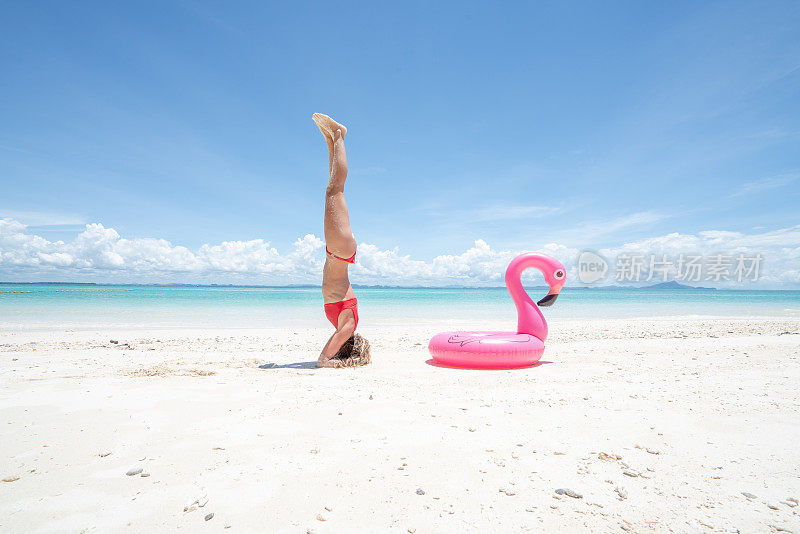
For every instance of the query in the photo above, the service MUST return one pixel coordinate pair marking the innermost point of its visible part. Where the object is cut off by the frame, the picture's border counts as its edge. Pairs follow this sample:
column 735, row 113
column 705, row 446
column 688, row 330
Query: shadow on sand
column 297, row 365
column 434, row 363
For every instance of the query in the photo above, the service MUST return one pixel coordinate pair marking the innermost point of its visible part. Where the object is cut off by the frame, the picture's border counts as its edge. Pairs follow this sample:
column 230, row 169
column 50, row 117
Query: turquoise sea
column 29, row 306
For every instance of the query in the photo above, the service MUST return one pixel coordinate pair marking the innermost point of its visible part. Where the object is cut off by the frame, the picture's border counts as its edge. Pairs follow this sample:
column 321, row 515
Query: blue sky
column 589, row 125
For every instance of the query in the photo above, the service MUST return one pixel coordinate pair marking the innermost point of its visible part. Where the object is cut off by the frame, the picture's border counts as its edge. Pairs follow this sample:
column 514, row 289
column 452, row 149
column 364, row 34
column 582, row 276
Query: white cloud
column 101, row 254
column 765, row 184
column 626, row 221
column 43, row 218
column 590, row 231
column 780, row 250
column 488, row 213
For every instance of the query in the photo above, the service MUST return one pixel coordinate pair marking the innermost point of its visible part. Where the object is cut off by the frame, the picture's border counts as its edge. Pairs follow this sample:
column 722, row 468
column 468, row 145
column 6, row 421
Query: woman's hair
column 354, row 352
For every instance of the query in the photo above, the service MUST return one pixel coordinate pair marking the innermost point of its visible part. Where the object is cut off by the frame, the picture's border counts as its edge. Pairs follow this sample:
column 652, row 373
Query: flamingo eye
column 559, row 274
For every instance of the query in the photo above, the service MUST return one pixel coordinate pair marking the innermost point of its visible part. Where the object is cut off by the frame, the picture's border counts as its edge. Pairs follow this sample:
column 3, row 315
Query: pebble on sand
column 12, row 478
column 420, row 491
column 104, row 454
column 134, row 471
column 569, row 493
column 749, row 495
column 209, row 516
column 192, row 505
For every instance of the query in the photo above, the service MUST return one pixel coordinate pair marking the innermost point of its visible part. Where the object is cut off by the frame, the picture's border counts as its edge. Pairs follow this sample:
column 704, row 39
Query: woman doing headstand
column 344, row 348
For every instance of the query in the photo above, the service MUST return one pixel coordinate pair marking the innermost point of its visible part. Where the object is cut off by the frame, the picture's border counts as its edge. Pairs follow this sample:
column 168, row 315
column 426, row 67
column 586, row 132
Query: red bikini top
column 351, row 259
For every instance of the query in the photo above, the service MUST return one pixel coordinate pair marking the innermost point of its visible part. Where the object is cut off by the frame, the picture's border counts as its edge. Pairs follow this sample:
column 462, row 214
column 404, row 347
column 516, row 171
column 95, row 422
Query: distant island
column 675, row 285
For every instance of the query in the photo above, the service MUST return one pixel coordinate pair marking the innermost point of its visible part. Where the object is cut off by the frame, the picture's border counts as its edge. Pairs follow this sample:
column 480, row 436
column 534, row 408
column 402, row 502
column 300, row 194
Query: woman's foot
column 331, row 124
column 322, row 125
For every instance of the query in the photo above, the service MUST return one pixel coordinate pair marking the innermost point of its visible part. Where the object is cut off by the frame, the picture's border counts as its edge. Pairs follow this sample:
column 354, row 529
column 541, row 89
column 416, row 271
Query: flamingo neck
column 529, row 318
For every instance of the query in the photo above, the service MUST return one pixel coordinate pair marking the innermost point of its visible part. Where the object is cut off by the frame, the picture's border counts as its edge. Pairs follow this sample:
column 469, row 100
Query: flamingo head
column 555, row 275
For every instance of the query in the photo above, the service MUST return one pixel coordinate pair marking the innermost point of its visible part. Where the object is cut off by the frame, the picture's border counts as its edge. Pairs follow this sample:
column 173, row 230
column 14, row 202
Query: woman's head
column 354, row 353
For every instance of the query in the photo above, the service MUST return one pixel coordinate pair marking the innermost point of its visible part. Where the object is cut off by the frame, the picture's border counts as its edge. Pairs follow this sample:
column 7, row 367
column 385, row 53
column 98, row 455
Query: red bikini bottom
column 333, row 309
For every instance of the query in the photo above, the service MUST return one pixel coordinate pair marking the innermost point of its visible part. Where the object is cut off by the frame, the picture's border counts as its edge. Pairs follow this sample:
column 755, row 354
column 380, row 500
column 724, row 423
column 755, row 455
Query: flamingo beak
column 551, row 297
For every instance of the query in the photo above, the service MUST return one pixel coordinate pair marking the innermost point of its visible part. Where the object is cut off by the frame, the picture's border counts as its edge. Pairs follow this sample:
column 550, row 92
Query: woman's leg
column 338, row 235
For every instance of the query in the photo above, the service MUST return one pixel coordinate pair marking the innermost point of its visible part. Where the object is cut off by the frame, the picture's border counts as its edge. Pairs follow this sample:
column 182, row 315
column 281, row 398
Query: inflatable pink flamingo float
column 506, row 350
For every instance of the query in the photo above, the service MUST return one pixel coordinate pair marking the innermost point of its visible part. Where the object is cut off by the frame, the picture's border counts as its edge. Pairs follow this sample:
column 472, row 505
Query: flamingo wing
column 476, row 337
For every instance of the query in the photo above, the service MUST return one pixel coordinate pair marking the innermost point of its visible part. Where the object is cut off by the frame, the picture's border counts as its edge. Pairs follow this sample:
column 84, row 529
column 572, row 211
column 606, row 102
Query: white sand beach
column 653, row 425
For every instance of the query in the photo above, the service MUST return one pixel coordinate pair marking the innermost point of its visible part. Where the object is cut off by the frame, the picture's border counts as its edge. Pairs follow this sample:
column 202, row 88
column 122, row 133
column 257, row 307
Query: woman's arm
column 342, row 334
